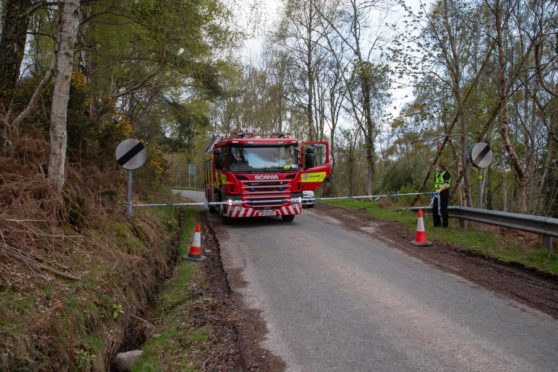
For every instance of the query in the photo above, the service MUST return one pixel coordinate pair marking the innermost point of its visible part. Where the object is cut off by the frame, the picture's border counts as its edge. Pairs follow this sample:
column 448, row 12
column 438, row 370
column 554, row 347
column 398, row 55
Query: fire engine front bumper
column 245, row 212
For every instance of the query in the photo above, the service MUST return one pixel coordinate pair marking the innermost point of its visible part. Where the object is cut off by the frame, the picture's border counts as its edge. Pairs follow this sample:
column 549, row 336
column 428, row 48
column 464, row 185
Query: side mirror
column 309, row 160
column 218, row 159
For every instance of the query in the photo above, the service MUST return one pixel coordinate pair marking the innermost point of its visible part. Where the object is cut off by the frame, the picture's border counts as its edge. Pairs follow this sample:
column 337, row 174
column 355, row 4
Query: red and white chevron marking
column 244, row 212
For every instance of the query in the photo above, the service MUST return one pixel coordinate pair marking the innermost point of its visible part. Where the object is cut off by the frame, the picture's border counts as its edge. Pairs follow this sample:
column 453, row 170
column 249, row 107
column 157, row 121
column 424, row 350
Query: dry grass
column 66, row 262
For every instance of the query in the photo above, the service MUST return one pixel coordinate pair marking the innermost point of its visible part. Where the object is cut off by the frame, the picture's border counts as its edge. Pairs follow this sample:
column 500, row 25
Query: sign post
column 130, row 154
column 481, row 188
column 191, row 174
column 129, row 210
column 481, row 157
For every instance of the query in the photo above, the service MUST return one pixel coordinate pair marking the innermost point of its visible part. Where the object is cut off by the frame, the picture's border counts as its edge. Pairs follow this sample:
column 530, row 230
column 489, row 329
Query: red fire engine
column 259, row 176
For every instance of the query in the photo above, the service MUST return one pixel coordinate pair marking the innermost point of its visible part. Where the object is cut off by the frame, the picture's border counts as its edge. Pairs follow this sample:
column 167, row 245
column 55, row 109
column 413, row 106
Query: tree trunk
column 463, row 154
column 505, row 114
column 12, row 46
column 454, row 67
column 67, row 35
column 310, row 68
column 351, row 171
column 370, row 150
column 332, row 150
column 540, row 207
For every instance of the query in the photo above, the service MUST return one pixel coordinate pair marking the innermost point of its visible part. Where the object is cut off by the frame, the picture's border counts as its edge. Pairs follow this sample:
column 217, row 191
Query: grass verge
column 178, row 342
column 506, row 248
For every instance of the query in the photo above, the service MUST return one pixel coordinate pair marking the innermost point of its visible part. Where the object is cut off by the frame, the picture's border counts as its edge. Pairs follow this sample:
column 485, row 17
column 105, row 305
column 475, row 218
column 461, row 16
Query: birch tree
column 63, row 56
column 299, row 37
column 449, row 28
column 367, row 82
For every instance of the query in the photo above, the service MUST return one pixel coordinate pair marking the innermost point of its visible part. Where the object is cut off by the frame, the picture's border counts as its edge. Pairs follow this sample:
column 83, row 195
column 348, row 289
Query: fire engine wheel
column 213, row 208
column 288, row 218
column 225, row 220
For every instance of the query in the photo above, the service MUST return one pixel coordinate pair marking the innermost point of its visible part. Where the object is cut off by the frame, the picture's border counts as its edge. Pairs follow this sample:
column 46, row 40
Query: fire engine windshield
column 263, row 159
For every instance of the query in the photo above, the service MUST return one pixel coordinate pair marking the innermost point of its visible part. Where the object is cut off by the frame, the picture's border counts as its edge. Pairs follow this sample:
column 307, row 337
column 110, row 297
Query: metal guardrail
column 545, row 226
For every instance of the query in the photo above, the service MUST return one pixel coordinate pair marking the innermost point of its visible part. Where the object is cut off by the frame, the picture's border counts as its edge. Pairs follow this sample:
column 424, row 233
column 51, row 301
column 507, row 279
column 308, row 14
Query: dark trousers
column 443, row 199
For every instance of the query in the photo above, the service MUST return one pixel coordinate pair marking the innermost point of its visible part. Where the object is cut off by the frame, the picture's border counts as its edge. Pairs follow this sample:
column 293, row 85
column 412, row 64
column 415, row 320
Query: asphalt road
column 340, row 300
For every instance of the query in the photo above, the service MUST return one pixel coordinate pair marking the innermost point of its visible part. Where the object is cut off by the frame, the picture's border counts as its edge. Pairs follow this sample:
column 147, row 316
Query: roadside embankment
column 75, row 273
column 69, row 302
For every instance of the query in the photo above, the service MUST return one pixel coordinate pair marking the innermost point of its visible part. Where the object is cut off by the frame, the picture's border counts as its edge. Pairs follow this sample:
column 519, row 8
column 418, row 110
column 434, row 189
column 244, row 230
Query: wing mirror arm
column 218, row 159
column 309, row 161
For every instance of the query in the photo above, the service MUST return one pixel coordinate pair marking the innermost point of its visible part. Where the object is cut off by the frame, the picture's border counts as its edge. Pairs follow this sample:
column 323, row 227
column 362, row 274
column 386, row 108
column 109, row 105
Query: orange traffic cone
column 195, row 253
column 421, row 232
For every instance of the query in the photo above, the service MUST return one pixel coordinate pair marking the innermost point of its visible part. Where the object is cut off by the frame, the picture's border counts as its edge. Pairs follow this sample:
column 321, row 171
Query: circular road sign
column 481, row 155
column 131, row 154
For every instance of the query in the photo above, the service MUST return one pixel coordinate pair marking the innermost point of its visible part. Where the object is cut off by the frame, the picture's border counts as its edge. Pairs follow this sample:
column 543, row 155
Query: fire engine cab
column 263, row 176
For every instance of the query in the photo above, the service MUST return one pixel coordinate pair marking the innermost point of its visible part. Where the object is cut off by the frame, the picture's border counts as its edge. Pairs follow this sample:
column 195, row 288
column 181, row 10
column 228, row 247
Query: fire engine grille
column 267, row 194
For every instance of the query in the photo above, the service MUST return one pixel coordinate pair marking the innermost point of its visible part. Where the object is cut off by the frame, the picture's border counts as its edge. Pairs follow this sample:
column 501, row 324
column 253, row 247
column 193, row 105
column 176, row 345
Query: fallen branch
column 18, row 255
column 38, row 233
column 14, row 220
column 143, row 320
column 39, row 265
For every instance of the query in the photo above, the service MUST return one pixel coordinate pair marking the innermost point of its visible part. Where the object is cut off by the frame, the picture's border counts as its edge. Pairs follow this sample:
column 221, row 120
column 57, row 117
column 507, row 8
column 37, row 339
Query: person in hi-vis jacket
column 441, row 196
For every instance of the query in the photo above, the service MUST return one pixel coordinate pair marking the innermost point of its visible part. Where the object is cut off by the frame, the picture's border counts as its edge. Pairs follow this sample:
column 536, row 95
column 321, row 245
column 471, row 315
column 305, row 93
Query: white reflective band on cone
column 420, row 224
column 197, row 240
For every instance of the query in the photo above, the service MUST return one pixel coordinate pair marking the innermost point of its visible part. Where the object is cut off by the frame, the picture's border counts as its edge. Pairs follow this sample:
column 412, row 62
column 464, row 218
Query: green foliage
column 126, row 238
column 14, row 337
column 117, row 311
column 400, row 174
column 175, row 292
column 186, row 120
column 84, row 359
column 373, row 80
column 87, row 354
column 146, row 69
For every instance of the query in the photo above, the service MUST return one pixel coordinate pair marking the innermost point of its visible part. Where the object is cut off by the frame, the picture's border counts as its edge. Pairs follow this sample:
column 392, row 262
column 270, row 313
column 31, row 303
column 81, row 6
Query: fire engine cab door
column 315, row 164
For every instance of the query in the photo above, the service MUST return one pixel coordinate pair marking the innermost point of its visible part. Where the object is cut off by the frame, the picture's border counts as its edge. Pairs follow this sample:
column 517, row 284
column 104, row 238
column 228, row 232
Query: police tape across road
column 232, row 202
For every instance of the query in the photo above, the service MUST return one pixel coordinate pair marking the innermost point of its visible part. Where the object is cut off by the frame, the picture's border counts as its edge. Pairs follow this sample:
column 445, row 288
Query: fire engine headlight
column 229, row 202
column 296, row 200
